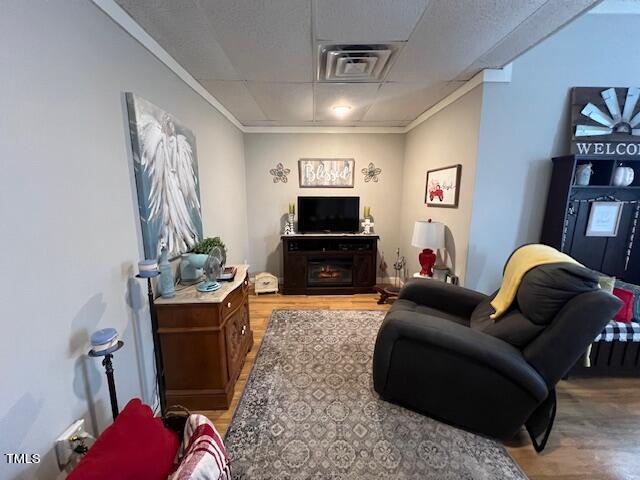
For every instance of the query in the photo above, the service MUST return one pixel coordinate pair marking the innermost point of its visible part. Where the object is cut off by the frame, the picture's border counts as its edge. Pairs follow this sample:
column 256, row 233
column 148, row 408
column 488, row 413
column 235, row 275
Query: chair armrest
column 476, row 347
column 559, row 346
column 442, row 296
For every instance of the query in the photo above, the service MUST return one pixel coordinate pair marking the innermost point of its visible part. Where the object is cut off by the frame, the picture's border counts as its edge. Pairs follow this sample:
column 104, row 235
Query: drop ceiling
column 259, row 58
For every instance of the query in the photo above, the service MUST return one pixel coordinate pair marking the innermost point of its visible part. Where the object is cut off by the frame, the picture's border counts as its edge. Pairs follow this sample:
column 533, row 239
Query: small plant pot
column 198, row 259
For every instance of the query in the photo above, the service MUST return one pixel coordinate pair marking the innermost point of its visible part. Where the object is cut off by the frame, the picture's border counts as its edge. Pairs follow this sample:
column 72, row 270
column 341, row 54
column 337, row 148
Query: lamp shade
column 104, row 341
column 428, row 235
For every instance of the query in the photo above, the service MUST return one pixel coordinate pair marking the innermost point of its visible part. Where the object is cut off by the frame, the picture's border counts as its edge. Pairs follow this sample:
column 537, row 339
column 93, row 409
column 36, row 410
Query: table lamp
column 429, row 236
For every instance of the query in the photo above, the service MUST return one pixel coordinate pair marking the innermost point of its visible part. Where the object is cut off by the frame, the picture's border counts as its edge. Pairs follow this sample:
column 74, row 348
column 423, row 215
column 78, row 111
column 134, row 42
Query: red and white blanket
column 202, row 454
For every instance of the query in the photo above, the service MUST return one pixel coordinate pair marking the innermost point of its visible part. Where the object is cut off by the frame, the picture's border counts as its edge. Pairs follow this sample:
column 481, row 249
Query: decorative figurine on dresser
column 593, row 207
column 205, row 338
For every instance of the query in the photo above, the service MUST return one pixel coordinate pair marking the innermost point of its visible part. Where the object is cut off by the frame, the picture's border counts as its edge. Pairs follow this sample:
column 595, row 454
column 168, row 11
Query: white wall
column 70, row 230
column 268, row 201
column 449, row 137
column 526, row 122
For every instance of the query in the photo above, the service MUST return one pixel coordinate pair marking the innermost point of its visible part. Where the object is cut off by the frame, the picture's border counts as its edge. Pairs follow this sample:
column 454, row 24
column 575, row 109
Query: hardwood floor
column 597, row 429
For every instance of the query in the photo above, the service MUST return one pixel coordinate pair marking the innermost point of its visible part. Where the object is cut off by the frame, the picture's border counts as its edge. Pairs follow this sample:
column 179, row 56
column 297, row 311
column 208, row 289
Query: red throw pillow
column 137, row 446
column 625, row 314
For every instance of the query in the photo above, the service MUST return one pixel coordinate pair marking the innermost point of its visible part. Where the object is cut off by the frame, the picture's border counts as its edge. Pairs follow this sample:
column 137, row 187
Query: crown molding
column 129, row 25
column 323, row 129
column 489, row 75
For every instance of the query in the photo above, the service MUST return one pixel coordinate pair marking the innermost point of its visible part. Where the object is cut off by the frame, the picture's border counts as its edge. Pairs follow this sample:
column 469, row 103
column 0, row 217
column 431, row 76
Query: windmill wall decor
column 605, row 121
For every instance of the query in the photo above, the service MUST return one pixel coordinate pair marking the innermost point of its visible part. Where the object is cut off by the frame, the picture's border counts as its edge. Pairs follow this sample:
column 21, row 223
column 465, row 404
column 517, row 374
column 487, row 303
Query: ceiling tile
column 182, row 30
column 364, row 21
column 453, row 34
column 268, row 45
column 265, row 40
column 284, row 101
column 359, row 96
column 406, row 101
column 236, row 98
column 546, row 20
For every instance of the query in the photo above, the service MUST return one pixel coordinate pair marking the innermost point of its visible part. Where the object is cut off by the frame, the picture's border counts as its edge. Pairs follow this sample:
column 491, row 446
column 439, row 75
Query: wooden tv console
column 329, row 264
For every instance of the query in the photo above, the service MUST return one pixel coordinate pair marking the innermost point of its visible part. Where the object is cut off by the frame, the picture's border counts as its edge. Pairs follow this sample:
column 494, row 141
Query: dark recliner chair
column 439, row 353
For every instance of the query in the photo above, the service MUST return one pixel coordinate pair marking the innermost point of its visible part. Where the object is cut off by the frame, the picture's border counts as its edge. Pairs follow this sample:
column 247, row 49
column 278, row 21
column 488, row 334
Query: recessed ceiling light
column 341, row 110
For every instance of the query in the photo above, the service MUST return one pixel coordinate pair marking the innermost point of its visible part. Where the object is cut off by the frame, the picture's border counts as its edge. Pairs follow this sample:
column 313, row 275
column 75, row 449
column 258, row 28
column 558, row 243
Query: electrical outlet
column 68, row 441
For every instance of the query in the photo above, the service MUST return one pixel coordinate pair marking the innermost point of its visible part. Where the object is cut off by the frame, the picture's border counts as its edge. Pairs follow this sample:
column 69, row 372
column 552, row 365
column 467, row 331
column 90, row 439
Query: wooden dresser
column 204, row 338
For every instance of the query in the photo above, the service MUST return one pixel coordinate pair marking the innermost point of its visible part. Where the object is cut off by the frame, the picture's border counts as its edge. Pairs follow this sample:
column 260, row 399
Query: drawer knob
column 246, row 282
column 244, row 329
column 228, row 304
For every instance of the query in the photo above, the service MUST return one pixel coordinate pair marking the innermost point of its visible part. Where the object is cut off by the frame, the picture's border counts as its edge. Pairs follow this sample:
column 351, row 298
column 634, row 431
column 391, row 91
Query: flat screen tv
column 328, row 214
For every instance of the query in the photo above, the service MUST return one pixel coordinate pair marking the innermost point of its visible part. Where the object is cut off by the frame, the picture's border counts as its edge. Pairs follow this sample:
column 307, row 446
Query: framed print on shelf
column 326, row 172
column 443, row 187
column 604, row 219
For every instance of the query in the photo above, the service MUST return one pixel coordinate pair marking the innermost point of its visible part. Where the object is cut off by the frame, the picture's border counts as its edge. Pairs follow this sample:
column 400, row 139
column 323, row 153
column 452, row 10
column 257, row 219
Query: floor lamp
column 104, row 343
column 148, row 269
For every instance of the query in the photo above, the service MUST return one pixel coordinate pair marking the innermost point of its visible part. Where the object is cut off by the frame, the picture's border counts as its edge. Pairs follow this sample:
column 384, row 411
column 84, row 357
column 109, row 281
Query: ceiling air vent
column 354, row 63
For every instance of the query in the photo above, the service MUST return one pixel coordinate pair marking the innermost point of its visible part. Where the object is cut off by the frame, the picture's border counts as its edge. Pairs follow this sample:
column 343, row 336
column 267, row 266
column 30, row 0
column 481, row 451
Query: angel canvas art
column 166, row 171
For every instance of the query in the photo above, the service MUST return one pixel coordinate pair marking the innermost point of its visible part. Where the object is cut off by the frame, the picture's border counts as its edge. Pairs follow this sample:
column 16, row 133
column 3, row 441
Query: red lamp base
column 427, row 259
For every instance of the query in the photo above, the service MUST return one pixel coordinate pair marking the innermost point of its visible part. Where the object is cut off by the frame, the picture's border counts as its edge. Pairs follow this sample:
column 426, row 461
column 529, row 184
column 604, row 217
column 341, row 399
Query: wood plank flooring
column 597, row 429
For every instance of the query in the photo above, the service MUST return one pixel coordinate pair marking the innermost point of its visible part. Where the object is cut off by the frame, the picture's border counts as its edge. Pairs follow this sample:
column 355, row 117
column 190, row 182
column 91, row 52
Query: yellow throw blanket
column 522, row 260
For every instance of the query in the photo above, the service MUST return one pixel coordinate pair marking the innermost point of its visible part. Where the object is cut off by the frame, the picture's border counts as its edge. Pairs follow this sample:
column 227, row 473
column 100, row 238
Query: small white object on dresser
column 266, row 283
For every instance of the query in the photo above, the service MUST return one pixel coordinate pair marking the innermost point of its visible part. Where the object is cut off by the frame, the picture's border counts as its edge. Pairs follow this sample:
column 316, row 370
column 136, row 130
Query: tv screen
column 328, row 214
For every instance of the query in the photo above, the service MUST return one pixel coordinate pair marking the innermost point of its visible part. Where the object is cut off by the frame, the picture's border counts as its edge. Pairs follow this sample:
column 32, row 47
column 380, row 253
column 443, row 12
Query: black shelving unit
column 567, row 215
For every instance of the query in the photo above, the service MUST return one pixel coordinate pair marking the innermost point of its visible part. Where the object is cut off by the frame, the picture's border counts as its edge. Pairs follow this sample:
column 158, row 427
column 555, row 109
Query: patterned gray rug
column 309, row 411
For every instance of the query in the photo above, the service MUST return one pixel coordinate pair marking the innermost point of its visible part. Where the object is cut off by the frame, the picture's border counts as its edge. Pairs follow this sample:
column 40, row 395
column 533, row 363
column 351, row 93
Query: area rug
column 309, row 411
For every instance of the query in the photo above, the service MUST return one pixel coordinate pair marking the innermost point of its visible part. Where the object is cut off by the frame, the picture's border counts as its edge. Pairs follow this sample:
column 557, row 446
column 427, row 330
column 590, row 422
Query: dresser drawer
column 234, row 300
column 267, row 283
column 237, row 334
column 187, row 316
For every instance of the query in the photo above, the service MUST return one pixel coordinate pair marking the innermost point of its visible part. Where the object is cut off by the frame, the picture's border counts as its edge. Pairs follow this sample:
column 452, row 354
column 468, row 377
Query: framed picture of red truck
column 443, row 186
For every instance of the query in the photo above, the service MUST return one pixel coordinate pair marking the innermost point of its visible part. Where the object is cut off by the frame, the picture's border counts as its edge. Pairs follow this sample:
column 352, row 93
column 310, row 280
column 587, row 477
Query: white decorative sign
column 326, row 172
column 604, row 219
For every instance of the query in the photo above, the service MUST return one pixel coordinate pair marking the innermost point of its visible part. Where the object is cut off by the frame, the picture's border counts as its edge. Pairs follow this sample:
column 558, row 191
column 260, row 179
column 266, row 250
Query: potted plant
column 203, row 247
